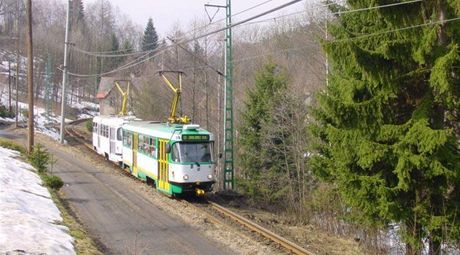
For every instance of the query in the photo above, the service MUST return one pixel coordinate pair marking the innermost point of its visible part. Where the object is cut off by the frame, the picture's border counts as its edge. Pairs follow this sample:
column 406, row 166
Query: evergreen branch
column 394, row 30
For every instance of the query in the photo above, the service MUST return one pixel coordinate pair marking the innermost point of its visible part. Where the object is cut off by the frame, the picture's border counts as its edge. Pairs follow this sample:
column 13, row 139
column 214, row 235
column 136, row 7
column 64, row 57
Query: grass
column 83, row 243
column 12, row 146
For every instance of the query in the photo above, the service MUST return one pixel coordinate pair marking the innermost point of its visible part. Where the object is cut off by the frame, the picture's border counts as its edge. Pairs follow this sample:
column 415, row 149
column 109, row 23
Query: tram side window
column 95, row 127
column 147, row 146
column 119, row 134
column 112, row 133
column 127, row 139
column 152, row 148
column 103, row 130
column 140, row 144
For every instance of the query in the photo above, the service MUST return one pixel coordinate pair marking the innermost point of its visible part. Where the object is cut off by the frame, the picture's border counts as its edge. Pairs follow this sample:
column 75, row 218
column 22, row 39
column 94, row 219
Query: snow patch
column 29, row 220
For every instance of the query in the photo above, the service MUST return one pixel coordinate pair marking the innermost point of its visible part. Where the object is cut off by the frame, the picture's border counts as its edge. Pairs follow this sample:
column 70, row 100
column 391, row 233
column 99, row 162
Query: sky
column 167, row 13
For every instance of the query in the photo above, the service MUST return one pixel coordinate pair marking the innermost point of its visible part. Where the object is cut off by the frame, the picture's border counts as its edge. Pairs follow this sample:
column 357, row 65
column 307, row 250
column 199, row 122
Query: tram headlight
column 210, row 176
column 185, row 177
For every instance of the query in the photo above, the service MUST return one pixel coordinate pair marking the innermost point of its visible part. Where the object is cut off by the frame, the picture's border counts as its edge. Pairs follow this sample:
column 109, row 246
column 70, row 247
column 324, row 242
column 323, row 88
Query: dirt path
column 121, row 219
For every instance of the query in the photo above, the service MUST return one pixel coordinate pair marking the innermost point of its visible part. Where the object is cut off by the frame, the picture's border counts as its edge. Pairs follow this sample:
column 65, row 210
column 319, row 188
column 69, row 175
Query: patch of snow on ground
column 87, row 109
column 28, row 217
column 43, row 124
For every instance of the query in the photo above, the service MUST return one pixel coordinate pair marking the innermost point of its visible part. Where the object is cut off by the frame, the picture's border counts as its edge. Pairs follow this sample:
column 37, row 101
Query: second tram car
column 107, row 136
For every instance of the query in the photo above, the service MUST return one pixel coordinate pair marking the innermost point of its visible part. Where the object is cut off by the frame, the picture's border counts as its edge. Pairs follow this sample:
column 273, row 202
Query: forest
column 346, row 113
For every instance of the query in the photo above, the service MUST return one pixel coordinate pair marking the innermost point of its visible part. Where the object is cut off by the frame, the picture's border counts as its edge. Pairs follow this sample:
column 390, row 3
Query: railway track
column 224, row 212
column 283, row 242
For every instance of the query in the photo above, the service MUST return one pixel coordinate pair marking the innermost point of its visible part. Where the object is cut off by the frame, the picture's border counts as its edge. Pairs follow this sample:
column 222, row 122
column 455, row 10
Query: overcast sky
column 167, row 13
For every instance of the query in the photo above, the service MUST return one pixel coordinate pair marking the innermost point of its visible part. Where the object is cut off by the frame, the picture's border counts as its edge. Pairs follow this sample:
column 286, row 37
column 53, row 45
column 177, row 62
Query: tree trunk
column 435, row 247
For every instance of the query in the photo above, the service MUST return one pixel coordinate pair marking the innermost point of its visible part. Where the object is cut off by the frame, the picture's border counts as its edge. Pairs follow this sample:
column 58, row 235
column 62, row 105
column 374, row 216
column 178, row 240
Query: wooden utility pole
column 30, row 77
column 18, row 62
column 9, row 86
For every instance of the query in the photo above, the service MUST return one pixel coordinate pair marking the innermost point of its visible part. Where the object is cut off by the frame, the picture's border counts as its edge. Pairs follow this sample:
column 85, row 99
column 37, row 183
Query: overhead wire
column 334, row 13
column 395, row 30
column 265, row 13
column 183, row 41
column 107, row 53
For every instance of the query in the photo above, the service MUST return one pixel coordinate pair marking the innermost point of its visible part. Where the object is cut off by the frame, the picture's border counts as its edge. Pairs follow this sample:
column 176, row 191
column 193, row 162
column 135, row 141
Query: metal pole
column 229, row 180
column 30, row 81
column 64, row 75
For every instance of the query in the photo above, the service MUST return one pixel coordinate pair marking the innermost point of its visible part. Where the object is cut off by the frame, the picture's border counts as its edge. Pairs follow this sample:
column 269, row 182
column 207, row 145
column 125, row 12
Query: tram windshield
column 192, row 152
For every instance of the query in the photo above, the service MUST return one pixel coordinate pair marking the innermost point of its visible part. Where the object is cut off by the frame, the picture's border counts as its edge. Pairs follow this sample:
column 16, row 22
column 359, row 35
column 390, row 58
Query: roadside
column 83, row 244
column 118, row 213
column 30, row 221
column 307, row 235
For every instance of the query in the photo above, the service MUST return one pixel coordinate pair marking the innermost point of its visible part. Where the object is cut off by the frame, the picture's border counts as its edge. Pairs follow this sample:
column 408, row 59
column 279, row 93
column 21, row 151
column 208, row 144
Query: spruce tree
column 387, row 124
column 114, row 47
column 127, row 46
column 78, row 13
column 255, row 164
column 150, row 39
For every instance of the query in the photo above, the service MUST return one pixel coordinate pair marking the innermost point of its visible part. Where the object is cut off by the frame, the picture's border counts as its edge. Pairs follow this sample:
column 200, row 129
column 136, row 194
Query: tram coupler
column 199, row 192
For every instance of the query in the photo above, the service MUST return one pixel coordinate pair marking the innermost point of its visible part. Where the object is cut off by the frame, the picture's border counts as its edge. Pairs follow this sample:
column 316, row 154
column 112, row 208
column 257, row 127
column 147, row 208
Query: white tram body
column 108, row 136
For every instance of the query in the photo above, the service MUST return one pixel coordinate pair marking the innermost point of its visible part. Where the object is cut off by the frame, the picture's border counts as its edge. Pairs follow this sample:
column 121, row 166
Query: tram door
column 135, row 146
column 163, row 166
column 99, row 133
column 113, row 135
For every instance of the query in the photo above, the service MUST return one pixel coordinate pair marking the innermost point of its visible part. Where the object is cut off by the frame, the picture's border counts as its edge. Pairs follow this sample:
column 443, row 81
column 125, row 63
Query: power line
column 333, row 13
column 223, row 19
column 107, row 53
column 133, row 63
column 193, row 39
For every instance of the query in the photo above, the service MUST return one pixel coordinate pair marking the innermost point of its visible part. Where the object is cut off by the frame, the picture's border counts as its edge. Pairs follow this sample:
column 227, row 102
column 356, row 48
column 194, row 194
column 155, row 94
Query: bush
column 25, row 113
column 5, row 113
column 89, row 125
column 53, row 181
column 40, row 158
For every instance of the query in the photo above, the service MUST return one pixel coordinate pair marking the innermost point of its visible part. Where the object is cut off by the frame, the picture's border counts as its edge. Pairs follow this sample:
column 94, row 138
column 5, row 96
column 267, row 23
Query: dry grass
column 83, row 243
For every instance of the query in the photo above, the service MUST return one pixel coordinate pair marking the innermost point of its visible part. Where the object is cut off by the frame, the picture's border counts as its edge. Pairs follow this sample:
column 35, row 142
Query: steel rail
column 283, row 242
column 290, row 246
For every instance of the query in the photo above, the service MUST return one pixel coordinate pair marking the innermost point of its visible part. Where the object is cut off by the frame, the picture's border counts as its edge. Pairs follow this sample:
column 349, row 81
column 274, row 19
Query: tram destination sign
column 195, row 138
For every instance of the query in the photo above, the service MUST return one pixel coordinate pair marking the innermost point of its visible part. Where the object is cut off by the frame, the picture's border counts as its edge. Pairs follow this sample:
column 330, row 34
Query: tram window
column 175, row 156
column 112, row 133
column 127, row 138
column 95, row 127
column 130, row 140
column 152, row 149
column 192, row 152
column 140, row 144
column 119, row 134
